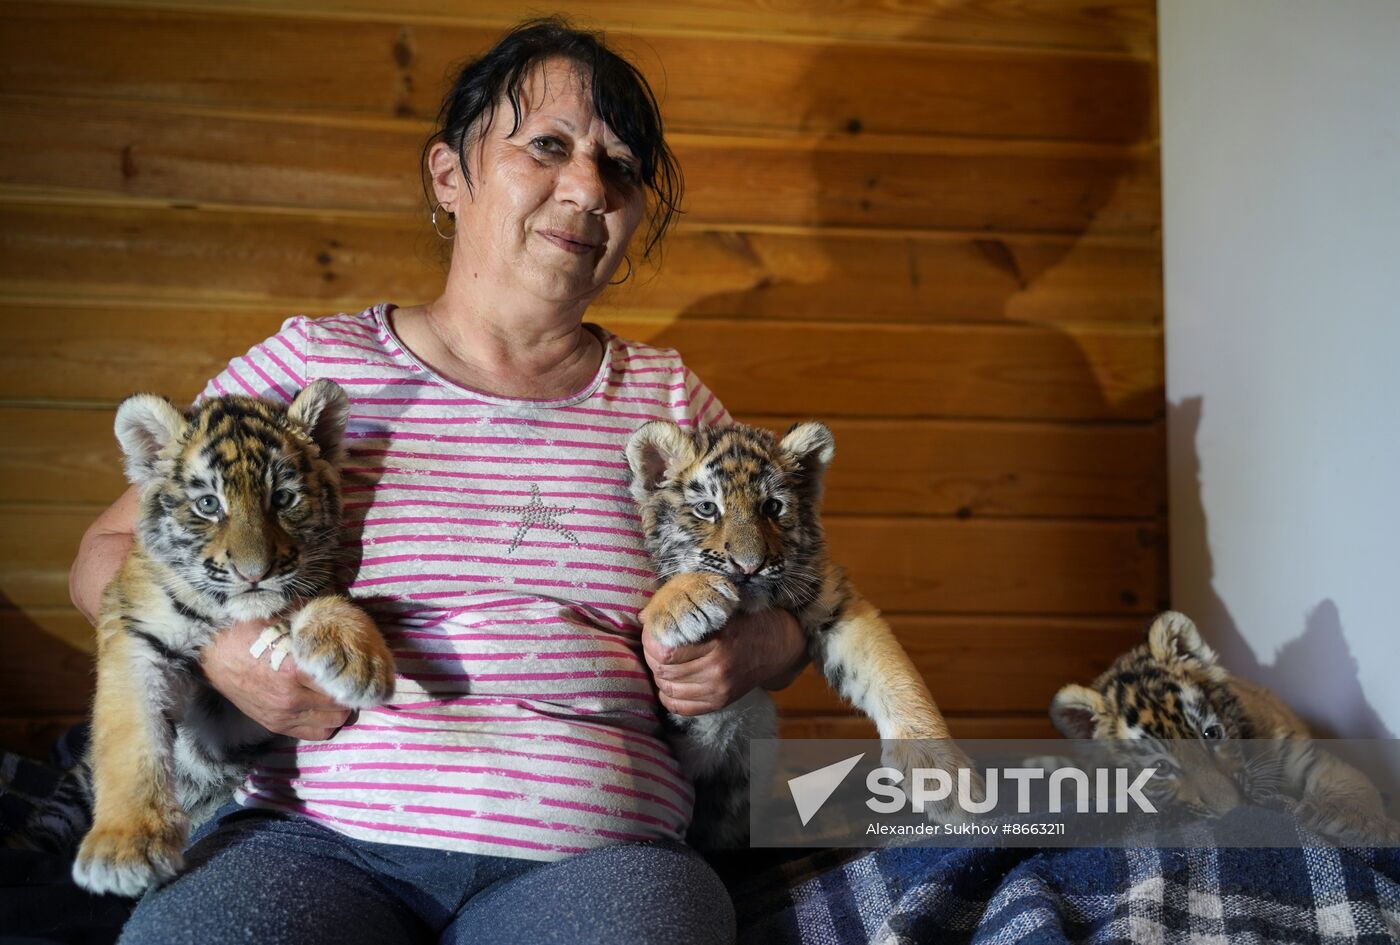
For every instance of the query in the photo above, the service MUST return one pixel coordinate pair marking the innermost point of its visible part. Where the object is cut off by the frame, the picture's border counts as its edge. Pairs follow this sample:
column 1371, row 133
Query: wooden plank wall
column 935, row 224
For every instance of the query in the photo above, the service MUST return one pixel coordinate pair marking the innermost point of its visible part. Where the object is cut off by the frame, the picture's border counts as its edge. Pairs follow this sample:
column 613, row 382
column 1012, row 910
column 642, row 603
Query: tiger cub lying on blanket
column 239, row 518
column 1172, row 689
column 732, row 520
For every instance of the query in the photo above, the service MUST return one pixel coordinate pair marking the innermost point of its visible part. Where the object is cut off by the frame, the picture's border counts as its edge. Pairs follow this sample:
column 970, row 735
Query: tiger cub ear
column 146, row 424
column 1173, row 638
column 657, row 452
column 812, row 444
column 1075, row 711
column 322, row 408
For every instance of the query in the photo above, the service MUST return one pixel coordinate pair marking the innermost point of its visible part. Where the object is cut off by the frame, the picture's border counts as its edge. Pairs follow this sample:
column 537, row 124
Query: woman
column 518, row 788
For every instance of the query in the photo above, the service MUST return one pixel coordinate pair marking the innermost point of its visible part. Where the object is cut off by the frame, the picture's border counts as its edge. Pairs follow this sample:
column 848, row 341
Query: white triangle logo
column 810, row 791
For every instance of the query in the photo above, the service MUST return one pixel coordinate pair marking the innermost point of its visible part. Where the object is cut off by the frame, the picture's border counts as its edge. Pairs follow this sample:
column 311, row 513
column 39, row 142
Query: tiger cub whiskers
column 239, row 519
column 731, row 517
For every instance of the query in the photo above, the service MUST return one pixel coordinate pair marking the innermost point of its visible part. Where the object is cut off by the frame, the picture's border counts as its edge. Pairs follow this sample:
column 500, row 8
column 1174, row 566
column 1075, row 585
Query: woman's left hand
column 764, row 649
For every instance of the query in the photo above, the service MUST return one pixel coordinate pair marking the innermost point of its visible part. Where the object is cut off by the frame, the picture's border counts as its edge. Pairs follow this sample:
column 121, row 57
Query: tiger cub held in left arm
column 732, row 519
column 239, row 520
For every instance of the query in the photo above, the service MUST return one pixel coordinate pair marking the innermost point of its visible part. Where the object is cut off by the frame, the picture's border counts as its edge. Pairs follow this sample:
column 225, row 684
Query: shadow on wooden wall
column 939, row 233
column 961, row 312
column 47, row 683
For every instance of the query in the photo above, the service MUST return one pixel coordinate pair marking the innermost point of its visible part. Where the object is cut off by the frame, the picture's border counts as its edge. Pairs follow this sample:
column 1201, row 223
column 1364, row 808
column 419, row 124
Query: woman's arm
column 765, row 649
column 101, row 553
column 282, row 701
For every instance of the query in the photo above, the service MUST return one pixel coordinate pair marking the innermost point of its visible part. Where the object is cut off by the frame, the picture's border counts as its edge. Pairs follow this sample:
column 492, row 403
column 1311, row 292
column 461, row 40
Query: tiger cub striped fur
column 239, row 519
column 1171, row 691
column 731, row 517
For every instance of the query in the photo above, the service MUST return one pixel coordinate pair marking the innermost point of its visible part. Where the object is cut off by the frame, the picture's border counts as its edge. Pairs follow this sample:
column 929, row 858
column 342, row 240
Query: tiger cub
column 731, row 517
column 1173, row 690
column 239, row 519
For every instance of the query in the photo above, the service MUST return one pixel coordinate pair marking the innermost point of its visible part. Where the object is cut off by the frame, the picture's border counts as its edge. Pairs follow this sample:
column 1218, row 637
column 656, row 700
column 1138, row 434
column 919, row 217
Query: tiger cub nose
column 256, row 570
column 747, row 565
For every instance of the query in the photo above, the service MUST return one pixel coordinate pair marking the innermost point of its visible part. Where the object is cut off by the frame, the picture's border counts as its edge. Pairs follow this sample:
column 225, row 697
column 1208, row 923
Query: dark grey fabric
column 258, row 876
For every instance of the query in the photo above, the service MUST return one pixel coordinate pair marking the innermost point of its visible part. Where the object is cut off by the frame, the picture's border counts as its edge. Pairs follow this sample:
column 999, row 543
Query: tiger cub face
column 240, row 496
column 1170, row 703
column 736, row 500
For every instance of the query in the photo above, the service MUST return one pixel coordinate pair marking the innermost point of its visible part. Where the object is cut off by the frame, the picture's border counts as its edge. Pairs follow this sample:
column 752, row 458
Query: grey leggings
column 268, row 878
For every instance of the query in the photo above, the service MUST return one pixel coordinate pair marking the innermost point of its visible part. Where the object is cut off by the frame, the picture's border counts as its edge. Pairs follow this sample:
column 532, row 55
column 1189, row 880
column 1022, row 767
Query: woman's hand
column 764, row 649
column 283, row 700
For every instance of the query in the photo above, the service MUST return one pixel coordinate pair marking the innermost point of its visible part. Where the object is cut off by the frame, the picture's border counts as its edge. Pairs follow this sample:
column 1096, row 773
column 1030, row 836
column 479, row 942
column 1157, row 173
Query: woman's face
column 552, row 205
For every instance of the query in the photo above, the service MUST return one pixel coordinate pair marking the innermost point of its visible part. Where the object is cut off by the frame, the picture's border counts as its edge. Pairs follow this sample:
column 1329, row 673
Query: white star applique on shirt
column 537, row 515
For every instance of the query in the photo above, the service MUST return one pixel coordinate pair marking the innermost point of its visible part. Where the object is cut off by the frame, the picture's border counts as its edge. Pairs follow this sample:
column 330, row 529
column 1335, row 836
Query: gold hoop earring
column 450, row 215
column 628, row 261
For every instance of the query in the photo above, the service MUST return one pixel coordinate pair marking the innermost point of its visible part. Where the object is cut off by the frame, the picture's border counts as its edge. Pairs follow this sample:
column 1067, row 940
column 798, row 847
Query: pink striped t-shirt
column 501, row 556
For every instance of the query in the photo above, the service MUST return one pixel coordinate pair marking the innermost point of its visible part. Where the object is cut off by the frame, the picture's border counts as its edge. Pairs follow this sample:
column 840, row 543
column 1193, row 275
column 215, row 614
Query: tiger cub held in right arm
column 239, row 520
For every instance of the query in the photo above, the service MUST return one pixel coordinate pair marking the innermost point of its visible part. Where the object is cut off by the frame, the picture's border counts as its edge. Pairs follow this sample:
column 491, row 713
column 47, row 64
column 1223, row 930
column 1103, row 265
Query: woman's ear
column 449, row 181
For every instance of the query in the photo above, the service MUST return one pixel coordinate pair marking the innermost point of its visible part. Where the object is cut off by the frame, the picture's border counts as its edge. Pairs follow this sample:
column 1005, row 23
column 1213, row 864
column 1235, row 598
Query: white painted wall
column 1281, row 164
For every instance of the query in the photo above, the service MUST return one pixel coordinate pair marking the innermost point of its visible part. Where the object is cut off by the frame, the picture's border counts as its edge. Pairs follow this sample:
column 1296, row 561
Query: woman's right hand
column 281, row 700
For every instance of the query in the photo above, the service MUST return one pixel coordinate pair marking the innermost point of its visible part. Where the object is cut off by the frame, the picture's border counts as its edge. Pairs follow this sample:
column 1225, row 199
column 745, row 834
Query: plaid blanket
column 1208, row 895
column 39, row 904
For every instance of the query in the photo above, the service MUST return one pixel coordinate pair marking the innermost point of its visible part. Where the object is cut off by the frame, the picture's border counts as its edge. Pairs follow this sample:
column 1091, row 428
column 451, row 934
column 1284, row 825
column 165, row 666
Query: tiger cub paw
column 340, row 648
column 690, row 607
column 1353, row 828
column 126, row 859
column 910, row 755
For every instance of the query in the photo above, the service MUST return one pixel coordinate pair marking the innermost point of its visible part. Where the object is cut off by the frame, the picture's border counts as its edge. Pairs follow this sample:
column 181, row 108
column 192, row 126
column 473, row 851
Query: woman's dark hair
column 621, row 97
